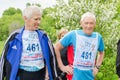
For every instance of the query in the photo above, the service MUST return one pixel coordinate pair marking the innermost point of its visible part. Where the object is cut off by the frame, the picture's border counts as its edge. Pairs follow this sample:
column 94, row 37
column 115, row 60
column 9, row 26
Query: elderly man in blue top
column 28, row 53
column 87, row 44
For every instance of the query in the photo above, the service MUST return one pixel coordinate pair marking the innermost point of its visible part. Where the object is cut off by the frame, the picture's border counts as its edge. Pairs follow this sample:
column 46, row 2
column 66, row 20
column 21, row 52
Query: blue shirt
column 69, row 39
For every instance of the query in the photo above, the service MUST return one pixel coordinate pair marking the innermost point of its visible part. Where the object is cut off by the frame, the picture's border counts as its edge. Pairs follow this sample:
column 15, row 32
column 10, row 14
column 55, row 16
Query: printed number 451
column 86, row 55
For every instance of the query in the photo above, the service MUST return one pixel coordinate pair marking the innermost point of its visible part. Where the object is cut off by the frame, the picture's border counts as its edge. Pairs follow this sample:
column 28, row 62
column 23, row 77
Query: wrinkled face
column 32, row 23
column 88, row 25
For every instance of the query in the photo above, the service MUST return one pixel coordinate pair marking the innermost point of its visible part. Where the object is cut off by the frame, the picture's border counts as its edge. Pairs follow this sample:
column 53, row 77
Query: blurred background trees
column 67, row 14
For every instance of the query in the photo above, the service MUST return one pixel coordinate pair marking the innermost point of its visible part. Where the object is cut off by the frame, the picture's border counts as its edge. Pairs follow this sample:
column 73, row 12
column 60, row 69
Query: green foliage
column 12, row 11
column 1, row 46
column 48, row 25
column 29, row 4
column 6, row 23
column 13, row 26
column 4, row 27
column 99, row 75
column 107, row 70
column 18, row 11
column 9, row 16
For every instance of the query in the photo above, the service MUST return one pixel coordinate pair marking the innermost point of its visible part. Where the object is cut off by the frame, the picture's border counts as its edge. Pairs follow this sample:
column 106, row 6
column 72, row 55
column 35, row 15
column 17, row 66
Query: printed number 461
column 33, row 47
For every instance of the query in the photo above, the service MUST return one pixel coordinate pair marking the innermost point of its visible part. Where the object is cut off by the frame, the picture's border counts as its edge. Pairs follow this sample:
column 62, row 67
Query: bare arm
column 68, row 69
column 46, row 74
column 58, row 47
column 100, row 58
column 98, row 62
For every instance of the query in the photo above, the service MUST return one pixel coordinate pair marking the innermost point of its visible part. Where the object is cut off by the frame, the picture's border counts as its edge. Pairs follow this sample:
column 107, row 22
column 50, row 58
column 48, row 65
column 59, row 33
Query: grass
column 1, row 46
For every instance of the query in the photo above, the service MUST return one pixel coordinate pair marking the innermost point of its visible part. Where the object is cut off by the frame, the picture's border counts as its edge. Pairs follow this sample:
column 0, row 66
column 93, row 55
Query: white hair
column 88, row 14
column 30, row 10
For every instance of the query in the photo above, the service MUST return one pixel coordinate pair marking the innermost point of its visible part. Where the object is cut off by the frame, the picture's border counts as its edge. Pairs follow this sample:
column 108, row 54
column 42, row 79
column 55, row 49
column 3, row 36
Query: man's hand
column 68, row 69
column 95, row 71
